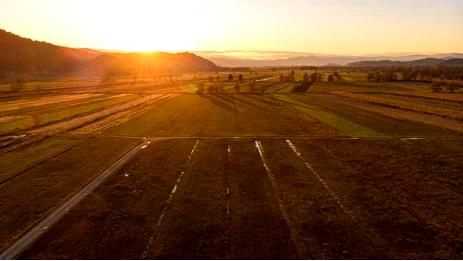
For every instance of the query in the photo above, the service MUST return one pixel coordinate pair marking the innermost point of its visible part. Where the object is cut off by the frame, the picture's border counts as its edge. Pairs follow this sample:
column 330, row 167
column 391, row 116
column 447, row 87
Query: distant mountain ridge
column 22, row 55
column 299, row 59
column 420, row 62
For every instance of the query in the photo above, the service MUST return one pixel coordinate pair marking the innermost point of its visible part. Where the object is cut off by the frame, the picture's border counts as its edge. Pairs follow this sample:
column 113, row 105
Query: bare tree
column 237, row 88
column 305, row 77
column 292, row 76
column 200, row 87
column 18, row 85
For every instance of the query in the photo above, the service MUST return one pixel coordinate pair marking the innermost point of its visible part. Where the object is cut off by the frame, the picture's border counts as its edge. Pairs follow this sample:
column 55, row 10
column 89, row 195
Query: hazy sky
column 323, row 26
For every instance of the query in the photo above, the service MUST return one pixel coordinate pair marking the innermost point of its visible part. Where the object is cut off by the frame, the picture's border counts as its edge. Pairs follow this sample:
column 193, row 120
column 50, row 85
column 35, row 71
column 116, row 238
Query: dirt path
column 38, row 230
column 45, row 186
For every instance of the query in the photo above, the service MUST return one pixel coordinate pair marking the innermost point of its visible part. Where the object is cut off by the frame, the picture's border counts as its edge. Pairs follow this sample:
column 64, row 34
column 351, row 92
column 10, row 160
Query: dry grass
column 431, row 110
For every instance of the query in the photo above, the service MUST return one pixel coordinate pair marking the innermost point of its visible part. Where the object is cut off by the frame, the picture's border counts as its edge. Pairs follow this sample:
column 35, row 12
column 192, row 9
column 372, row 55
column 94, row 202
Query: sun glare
column 146, row 25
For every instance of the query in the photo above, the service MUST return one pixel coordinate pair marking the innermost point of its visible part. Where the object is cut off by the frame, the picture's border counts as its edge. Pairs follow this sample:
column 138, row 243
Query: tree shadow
column 240, row 98
column 218, row 102
column 265, row 99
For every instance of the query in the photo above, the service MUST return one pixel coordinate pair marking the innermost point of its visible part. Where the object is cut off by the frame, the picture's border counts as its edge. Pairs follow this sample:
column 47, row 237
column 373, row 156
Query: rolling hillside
column 128, row 63
column 22, row 55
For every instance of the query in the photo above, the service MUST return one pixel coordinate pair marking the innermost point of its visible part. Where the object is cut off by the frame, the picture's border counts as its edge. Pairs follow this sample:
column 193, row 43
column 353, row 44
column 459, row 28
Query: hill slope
column 22, row 55
column 140, row 63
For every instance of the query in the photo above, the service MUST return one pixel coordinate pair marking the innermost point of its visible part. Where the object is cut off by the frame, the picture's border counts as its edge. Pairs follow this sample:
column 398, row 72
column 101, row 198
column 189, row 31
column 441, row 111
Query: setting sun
column 143, row 25
column 330, row 26
column 231, row 129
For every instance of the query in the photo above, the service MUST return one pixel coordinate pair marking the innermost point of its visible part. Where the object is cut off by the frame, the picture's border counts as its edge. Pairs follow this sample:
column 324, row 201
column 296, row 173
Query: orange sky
column 328, row 26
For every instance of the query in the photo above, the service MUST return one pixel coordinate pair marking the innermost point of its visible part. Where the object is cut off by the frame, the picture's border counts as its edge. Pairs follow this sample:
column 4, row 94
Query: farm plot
column 16, row 162
column 49, row 114
column 89, row 118
column 412, row 204
column 325, row 228
column 235, row 176
column 438, row 102
column 222, row 115
column 343, row 125
column 388, row 126
column 9, row 107
column 437, row 109
column 101, row 124
column 162, row 205
column 408, row 89
column 403, row 114
column 271, row 198
column 119, row 216
column 29, row 195
column 368, row 86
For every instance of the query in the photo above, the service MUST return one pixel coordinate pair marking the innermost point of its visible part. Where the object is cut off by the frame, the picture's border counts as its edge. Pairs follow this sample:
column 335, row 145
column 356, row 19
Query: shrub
column 451, row 86
column 436, row 87
column 17, row 85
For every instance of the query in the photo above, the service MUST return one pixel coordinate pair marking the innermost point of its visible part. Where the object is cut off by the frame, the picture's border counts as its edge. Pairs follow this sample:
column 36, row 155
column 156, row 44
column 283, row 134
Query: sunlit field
column 231, row 130
column 344, row 169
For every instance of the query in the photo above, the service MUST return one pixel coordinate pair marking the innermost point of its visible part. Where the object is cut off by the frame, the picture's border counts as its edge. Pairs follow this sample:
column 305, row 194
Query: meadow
column 231, row 168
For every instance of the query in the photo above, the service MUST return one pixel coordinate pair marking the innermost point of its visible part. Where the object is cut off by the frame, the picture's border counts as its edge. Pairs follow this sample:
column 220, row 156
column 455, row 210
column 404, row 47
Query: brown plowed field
column 235, row 176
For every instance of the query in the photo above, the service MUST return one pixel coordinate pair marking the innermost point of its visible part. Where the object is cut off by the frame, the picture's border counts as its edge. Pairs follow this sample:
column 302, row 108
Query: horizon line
column 398, row 54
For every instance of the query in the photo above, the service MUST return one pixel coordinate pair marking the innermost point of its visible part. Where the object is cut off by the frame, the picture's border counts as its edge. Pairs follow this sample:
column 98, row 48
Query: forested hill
column 128, row 63
column 22, row 55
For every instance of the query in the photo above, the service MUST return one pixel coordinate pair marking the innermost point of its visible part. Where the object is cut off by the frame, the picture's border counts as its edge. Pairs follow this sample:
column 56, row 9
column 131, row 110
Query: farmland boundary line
column 320, row 179
column 43, row 226
column 157, row 225
column 298, row 241
column 312, row 137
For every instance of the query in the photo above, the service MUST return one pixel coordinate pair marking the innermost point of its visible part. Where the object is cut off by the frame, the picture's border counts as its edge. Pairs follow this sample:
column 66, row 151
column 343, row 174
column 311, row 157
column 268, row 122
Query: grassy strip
column 446, row 97
column 15, row 162
column 46, row 117
column 427, row 109
column 343, row 125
